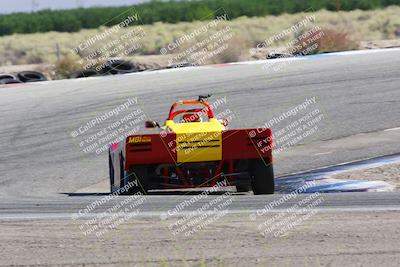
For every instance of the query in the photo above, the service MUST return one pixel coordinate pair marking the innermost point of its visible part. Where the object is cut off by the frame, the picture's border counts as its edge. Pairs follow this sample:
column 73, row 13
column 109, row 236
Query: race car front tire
column 262, row 177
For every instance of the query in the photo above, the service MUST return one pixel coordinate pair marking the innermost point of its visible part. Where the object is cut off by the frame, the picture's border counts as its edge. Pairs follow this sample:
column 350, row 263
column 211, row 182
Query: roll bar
column 207, row 108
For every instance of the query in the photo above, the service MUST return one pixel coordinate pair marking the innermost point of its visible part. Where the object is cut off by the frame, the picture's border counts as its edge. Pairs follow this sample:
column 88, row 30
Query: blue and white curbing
column 322, row 181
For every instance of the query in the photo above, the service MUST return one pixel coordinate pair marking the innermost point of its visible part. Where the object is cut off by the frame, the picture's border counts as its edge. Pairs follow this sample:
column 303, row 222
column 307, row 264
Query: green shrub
column 168, row 11
column 66, row 65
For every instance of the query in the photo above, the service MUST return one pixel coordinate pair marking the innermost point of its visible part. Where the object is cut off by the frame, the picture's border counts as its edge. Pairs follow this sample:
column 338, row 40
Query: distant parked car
column 275, row 55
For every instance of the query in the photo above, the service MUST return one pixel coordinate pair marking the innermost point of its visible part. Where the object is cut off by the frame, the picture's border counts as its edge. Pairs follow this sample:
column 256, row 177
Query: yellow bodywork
column 197, row 141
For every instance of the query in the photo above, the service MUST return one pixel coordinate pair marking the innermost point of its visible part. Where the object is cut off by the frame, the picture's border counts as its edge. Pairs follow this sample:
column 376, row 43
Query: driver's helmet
column 191, row 117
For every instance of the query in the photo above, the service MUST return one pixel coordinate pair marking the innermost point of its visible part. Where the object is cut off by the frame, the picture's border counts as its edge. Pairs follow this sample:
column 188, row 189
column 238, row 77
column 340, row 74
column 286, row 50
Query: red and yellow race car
column 193, row 149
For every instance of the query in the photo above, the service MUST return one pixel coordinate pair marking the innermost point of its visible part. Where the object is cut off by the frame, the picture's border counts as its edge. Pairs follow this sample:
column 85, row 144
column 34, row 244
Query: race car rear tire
column 240, row 188
column 111, row 172
column 262, row 177
column 138, row 176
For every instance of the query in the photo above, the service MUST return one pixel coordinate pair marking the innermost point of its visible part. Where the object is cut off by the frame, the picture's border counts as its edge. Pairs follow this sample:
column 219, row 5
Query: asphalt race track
column 156, row 205
column 356, row 93
column 42, row 165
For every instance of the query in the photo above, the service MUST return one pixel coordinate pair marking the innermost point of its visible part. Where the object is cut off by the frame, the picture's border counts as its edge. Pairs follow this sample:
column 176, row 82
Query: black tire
column 139, row 174
column 240, row 188
column 31, row 76
column 111, row 172
column 9, row 81
column 84, row 73
column 7, row 77
column 121, row 172
column 119, row 67
column 262, row 177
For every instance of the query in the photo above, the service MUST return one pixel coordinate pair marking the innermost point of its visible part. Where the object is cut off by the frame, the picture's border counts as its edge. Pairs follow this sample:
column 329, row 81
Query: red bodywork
column 239, row 147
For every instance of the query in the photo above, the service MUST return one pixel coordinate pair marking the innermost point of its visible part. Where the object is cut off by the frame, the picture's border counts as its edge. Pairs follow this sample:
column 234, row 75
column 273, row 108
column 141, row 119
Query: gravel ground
column 389, row 173
column 362, row 239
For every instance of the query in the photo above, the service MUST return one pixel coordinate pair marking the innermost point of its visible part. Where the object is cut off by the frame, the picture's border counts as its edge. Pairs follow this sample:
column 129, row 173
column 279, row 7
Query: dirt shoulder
column 326, row 238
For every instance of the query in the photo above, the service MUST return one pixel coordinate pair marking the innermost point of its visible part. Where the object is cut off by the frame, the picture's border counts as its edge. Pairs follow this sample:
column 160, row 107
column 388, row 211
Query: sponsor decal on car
column 139, row 139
